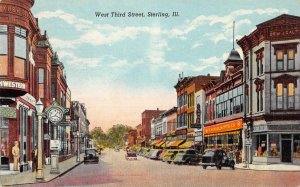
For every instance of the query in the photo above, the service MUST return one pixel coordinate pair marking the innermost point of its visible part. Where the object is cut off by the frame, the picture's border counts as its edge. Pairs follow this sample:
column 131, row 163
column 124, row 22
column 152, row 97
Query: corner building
column 272, row 92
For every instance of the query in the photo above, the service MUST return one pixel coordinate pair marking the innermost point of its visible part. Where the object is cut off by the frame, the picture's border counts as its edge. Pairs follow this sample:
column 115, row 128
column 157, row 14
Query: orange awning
column 158, row 143
column 186, row 145
column 170, row 143
column 164, row 144
column 176, row 143
column 223, row 133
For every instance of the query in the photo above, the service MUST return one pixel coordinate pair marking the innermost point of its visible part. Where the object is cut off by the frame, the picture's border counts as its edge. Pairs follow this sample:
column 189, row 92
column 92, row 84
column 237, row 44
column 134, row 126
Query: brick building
column 132, row 137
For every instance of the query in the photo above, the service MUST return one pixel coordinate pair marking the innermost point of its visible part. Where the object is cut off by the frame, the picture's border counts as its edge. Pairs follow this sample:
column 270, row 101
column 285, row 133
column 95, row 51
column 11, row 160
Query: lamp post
column 40, row 172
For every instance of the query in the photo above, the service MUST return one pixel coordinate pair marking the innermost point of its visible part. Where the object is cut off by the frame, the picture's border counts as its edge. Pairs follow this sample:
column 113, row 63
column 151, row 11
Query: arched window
column 3, row 50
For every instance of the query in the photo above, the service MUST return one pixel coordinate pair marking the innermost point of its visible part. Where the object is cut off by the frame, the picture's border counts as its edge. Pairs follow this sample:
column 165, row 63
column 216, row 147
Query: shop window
column 279, row 96
column 274, row 145
column 296, row 147
column 279, row 60
column 261, row 149
column 291, row 59
column 291, row 95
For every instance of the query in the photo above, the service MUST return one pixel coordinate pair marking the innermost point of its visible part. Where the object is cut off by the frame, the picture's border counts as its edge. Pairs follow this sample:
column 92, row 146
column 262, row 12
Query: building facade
column 132, row 137
column 272, row 92
column 223, row 126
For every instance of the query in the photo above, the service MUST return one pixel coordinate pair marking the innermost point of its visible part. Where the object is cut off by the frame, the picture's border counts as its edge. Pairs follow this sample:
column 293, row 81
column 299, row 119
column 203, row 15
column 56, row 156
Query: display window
column 261, row 147
column 274, row 145
column 296, row 147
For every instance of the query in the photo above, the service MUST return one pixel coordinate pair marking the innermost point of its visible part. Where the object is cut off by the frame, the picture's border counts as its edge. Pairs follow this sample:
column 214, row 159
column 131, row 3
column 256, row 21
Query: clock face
column 55, row 115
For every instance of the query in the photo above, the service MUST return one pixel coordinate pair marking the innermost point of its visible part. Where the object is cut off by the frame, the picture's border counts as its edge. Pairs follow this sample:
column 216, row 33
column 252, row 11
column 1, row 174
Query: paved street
column 114, row 170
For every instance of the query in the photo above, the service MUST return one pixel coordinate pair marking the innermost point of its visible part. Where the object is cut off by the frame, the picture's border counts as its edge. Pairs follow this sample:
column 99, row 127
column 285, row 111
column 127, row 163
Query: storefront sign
column 12, row 84
column 54, row 145
column 15, row 10
column 224, row 127
column 8, row 112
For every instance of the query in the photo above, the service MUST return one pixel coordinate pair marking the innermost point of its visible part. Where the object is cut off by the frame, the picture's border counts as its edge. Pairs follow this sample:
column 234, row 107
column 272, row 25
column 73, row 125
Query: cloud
column 72, row 59
column 156, row 50
column 225, row 21
column 119, row 63
column 197, row 44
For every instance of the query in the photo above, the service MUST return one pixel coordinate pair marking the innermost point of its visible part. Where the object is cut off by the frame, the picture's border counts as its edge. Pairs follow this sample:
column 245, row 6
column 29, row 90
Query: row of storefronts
column 30, row 70
column 251, row 108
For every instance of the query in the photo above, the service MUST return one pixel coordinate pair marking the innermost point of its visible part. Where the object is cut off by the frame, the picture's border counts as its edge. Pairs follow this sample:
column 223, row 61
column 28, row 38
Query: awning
column 223, row 133
column 164, row 144
column 186, row 145
column 158, row 144
column 155, row 142
column 170, row 143
column 223, row 127
column 176, row 143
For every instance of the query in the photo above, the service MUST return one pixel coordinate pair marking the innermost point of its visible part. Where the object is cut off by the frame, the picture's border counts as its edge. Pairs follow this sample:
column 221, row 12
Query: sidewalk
column 8, row 178
column 270, row 167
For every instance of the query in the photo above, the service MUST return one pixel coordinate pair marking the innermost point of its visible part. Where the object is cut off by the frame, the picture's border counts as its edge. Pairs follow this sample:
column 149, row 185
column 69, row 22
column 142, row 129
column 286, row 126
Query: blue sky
column 121, row 66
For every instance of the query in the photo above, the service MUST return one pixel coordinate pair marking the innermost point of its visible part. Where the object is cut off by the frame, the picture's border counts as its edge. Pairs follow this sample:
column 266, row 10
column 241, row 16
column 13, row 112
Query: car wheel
column 219, row 167
column 204, row 167
column 169, row 162
column 232, row 166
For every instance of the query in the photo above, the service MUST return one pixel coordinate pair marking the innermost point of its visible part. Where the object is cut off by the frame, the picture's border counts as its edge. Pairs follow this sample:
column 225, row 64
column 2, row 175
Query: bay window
column 41, row 82
column 20, row 52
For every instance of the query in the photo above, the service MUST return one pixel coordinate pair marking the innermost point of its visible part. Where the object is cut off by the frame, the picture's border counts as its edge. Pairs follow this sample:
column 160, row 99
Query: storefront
column 225, row 135
column 4, row 153
column 275, row 145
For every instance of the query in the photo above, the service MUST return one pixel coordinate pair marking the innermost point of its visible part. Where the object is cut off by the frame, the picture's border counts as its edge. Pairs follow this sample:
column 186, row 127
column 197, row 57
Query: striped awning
column 176, row 143
column 186, row 145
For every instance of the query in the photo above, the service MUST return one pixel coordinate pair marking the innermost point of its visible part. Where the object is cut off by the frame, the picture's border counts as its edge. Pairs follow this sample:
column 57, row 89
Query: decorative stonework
column 259, row 54
column 285, row 47
column 259, row 84
column 285, row 80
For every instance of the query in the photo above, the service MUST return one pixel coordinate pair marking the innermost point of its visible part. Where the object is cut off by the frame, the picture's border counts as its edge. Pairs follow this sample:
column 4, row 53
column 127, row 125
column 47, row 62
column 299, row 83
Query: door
column 286, row 151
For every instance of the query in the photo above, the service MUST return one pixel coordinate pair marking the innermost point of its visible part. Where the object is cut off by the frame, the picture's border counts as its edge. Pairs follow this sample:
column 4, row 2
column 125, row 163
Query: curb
column 275, row 170
column 59, row 175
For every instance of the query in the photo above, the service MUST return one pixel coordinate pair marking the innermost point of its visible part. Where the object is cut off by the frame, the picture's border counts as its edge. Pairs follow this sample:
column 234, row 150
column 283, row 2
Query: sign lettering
column 14, row 9
column 12, row 84
column 223, row 127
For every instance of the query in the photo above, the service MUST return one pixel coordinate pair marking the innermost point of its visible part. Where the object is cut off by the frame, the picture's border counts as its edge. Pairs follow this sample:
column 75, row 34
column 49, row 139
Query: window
column 257, row 101
column 296, row 146
column 41, row 82
column 20, row 52
column 274, row 145
column 261, row 101
column 247, row 68
column 291, row 95
column 3, row 50
column 279, row 95
column 261, row 67
column 291, row 59
column 261, row 148
column 257, row 66
column 279, row 59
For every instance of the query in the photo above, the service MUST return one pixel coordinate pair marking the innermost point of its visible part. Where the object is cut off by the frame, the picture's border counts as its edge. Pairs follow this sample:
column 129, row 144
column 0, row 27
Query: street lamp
column 40, row 173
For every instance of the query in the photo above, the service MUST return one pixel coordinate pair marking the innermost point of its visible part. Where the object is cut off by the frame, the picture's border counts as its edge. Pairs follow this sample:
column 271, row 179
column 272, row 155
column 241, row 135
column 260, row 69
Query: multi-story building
column 80, row 126
column 147, row 116
column 224, row 107
column 132, row 137
column 139, row 138
column 186, row 88
column 272, row 92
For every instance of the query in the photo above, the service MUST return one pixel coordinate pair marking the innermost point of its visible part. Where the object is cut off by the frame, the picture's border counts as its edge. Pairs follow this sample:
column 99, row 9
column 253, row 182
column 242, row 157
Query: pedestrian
column 237, row 156
column 34, row 159
column 16, row 154
column 231, row 153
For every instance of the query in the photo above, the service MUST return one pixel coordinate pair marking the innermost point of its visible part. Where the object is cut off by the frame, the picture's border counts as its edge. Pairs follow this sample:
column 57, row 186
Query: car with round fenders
column 216, row 158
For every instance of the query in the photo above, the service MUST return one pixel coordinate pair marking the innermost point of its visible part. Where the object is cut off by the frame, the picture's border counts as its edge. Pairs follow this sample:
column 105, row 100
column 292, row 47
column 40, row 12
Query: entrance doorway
column 286, row 150
column 4, row 161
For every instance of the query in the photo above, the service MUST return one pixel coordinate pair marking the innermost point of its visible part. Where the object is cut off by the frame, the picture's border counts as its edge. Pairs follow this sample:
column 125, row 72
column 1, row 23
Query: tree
column 99, row 137
column 116, row 135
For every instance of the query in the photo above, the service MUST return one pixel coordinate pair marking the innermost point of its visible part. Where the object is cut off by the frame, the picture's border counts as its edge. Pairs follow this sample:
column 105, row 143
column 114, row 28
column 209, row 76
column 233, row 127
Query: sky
column 121, row 66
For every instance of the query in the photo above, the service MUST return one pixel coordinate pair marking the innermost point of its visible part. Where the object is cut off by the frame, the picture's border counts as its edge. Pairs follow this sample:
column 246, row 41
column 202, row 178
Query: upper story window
column 291, row 95
column 279, row 96
column 247, row 68
column 259, row 61
column 20, row 52
column 291, row 59
column 279, row 59
column 3, row 50
column 41, row 82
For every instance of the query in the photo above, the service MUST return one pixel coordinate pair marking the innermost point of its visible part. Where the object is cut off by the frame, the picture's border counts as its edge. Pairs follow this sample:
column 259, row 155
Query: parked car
column 130, row 155
column 91, row 156
column 148, row 155
column 169, row 157
column 117, row 149
column 218, row 158
column 187, row 156
column 145, row 152
column 155, row 154
column 161, row 156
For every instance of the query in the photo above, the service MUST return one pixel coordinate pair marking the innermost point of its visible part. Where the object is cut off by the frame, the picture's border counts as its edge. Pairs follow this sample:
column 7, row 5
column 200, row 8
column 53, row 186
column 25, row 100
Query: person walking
column 34, row 159
column 237, row 156
column 16, row 154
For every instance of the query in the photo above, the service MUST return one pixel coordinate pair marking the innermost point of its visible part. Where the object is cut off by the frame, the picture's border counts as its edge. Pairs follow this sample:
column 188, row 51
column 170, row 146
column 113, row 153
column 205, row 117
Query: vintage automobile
column 117, row 149
column 169, row 157
column 161, row 156
column 187, row 156
column 218, row 158
column 130, row 155
column 91, row 156
column 155, row 154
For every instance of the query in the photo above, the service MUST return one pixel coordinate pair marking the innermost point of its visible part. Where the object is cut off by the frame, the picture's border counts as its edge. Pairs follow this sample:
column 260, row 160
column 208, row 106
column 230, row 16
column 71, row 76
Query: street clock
column 55, row 115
